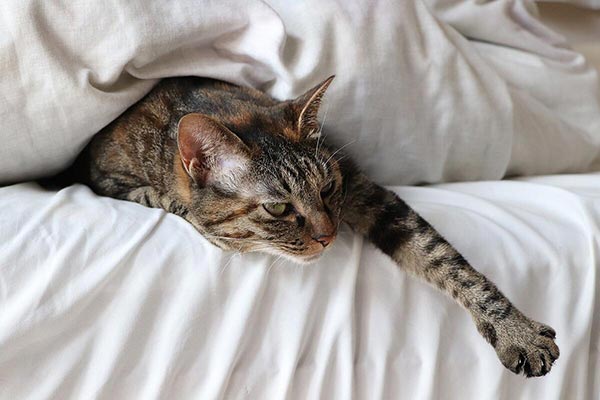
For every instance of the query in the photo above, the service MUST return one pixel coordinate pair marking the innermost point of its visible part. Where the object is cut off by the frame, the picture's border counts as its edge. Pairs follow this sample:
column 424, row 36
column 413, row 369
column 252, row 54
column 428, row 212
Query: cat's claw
column 527, row 347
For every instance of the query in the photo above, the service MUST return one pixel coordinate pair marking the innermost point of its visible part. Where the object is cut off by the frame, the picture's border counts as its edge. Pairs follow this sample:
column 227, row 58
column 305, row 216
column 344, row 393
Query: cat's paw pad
column 527, row 347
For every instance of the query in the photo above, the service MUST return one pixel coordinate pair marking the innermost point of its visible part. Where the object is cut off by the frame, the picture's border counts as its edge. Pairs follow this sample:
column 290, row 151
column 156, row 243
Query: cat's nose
column 325, row 240
column 323, row 230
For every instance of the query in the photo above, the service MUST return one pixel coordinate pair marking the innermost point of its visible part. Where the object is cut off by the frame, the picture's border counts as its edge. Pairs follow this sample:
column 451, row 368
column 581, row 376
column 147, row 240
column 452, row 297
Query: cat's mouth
column 312, row 254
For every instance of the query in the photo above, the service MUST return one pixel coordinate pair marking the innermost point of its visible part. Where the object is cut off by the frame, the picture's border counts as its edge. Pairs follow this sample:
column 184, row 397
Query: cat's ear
column 307, row 109
column 209, row 151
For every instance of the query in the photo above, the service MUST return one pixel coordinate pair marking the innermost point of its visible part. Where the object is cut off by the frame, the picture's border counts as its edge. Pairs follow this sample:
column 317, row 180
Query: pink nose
column 325, row 240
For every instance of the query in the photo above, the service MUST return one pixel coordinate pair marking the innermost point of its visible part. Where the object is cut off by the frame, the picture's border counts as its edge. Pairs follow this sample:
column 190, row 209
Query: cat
column 251, row 173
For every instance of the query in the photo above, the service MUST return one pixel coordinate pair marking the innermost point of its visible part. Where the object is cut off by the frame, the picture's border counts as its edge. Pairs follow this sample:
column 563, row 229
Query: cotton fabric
column 108, row 299
column 424, row 93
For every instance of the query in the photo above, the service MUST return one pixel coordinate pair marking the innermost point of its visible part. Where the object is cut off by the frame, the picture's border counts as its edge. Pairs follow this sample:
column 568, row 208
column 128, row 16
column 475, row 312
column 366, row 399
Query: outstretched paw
column 525, row 346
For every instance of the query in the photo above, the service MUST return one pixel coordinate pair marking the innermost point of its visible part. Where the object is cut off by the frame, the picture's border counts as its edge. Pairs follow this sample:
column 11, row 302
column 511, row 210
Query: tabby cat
column 253, row 174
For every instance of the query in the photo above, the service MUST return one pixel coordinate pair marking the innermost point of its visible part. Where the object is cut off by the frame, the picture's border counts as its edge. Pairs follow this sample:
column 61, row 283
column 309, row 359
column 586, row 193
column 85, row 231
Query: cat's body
column 252, row 174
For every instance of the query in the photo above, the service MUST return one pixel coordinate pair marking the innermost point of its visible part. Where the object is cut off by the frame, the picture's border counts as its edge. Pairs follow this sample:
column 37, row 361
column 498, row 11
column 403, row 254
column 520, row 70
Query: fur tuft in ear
column 307, row 109
column 209, row 151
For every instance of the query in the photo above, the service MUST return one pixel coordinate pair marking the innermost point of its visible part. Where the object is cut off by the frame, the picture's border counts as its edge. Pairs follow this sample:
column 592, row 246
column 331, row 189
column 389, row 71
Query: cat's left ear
column 307, row 109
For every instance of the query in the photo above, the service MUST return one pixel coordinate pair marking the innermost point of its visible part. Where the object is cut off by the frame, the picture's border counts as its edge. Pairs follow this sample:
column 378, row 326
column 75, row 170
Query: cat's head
column 262, row 178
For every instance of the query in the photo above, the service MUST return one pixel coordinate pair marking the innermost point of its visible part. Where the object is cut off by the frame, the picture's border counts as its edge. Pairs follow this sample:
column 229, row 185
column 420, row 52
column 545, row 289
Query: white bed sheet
column 107, row 299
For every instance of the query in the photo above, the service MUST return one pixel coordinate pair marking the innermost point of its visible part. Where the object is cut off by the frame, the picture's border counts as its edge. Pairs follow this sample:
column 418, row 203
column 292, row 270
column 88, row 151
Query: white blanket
column 106, row 299
column 464, row 91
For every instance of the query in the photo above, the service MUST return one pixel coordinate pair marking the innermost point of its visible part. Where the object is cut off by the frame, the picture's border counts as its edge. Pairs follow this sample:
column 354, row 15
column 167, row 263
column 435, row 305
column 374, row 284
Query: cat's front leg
column 150, row 197
column 523, row 345
column 146, row 196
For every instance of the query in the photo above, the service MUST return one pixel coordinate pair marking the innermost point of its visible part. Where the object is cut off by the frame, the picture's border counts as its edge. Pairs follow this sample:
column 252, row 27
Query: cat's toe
column 536, row 365
column 545, row 330
column 514, row 358
column 531, row 363
column 529, row 349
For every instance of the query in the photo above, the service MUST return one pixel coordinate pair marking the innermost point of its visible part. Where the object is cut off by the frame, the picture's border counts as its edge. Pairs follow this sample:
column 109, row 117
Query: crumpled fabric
column 424, row 93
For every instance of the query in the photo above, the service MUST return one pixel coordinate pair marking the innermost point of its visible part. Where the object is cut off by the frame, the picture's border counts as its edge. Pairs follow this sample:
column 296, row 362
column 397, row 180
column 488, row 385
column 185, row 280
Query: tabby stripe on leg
column 388, row 231
column 397, row 230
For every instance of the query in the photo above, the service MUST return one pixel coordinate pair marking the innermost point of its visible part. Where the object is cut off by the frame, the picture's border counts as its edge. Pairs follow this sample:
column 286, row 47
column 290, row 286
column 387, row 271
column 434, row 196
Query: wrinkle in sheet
column 153, row 307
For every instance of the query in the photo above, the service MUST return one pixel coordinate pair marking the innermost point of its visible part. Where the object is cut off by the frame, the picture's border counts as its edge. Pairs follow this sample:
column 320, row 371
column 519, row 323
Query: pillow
column 414, row 101
column 68, row 70
column 593, row 4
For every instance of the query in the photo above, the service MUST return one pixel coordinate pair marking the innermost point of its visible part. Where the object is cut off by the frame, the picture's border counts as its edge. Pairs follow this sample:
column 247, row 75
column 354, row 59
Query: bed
column 107, row 299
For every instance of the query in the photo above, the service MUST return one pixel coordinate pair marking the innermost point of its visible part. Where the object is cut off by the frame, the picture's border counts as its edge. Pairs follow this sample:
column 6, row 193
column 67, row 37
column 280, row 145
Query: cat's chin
column 306, row 259
column 296, row 258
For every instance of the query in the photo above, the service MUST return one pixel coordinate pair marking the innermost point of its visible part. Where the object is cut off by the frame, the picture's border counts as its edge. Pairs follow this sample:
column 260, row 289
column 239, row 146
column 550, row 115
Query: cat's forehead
column 289, row 172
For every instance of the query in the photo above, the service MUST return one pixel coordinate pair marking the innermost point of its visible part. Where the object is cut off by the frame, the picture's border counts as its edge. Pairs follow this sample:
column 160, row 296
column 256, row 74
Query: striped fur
column 280, row 158
column 523, row 345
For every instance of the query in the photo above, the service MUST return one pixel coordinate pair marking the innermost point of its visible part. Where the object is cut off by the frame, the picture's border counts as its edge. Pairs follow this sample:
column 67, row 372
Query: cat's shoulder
column 190, row 88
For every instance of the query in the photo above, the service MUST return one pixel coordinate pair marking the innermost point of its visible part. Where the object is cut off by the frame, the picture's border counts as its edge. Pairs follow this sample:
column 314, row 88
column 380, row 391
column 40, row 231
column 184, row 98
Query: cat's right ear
column 307, row 108
column 209, row 151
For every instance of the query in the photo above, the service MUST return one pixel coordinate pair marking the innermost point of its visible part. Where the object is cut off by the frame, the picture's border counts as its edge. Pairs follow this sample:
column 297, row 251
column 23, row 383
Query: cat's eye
column 277, row 209
column 327, row 189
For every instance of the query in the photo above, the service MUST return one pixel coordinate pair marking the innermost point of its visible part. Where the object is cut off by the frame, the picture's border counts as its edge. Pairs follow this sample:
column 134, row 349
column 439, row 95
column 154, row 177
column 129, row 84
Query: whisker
column 232, row 238
column 257, row 245
column 279, row 257
column 341, row 208
column 240, row 240
column 228, row 262
column 339, row 222
column 324, row 118
column 317, row 147
column 338, row 150
column 321, row 137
